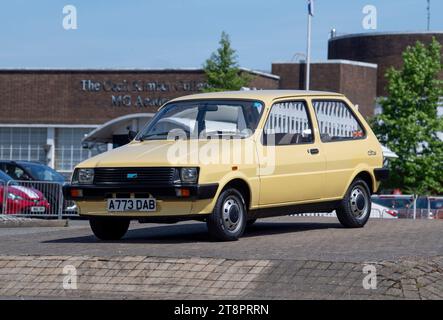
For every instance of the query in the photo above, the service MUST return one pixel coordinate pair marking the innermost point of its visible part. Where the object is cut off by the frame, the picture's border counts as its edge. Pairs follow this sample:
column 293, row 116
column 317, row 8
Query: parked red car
column 19, row 199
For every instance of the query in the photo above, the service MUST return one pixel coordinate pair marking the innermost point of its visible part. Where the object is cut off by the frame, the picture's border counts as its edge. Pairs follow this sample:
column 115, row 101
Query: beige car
column 230, row 158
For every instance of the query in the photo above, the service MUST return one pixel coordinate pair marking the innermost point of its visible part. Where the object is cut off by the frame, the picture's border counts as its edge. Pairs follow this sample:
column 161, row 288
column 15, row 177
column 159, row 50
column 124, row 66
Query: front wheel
column 109, row 228
column 355, row 208
column 228, row 220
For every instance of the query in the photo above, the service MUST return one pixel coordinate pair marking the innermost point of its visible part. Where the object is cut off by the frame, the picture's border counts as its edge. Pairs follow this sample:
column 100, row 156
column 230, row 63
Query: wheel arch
column 243, row 187
column 366, row 177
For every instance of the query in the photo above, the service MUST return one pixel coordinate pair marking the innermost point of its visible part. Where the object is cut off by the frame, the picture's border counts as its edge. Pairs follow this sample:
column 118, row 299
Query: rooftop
column 125, row 70
column 335, row 61
column 393, row 33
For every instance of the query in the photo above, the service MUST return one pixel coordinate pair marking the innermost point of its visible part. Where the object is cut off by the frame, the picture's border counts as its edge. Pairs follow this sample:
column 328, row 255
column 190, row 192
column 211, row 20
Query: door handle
column 313, row 151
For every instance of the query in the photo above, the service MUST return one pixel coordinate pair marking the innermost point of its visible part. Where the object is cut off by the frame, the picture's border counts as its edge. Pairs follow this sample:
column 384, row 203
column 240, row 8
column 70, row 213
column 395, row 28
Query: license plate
column 38, row 209
column 141, row 205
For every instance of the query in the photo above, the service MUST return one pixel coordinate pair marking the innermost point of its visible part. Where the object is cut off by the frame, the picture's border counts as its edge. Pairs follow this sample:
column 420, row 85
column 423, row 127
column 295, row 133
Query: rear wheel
column 355, row 208
column 109, row 228
column 228, row 220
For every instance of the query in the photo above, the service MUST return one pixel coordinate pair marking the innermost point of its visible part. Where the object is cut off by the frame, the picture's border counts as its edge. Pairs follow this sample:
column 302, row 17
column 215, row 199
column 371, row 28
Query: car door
column 292, row 164
column 343, row 141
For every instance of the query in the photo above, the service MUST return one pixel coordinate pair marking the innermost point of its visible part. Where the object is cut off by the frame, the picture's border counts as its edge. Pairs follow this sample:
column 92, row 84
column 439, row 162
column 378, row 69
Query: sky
column 183, row 33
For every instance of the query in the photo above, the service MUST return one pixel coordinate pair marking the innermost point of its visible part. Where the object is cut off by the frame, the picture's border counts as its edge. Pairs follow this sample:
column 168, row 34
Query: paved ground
column 289, row 258
column 11, row 221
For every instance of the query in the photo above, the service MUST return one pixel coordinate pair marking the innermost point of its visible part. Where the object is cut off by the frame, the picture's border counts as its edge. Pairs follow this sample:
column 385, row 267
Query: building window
column 68, row 148
column 26, row 144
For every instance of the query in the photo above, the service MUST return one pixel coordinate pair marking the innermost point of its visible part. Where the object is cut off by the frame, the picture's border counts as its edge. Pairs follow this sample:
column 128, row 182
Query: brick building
column 45, row 114
column 356, row 66
column 383, row 49
column 357, row 80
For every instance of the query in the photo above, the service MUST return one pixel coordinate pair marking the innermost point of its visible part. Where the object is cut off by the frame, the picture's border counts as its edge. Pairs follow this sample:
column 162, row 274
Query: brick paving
column 139, row 277
column 281, row 258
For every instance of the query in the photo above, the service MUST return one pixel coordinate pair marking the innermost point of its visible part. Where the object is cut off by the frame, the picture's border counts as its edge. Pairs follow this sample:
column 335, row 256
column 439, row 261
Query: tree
column 409, row 124
column 222, row 71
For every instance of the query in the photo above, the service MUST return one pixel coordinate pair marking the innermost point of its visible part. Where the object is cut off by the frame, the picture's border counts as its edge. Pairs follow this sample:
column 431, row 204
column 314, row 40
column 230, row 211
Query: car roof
column 263, row 95
column 20, row 162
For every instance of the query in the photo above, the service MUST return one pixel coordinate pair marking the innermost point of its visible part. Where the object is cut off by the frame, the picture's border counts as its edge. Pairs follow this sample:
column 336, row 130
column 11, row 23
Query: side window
column 337, row 122
column 288, row 124
column 16, row 173
column 10, row 171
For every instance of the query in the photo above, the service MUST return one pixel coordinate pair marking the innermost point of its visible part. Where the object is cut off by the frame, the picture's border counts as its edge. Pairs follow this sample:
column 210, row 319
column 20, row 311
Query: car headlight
column 83, row 176
column 12, row 196
column 189, row 175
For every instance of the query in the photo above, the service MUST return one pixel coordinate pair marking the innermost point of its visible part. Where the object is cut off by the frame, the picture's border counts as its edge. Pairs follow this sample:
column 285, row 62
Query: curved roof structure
column 383, row 34
column 105, row 132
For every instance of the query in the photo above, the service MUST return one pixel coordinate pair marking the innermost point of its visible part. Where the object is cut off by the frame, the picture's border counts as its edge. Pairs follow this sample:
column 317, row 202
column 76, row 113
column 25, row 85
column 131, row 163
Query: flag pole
column 308, row 53
column 429, row 15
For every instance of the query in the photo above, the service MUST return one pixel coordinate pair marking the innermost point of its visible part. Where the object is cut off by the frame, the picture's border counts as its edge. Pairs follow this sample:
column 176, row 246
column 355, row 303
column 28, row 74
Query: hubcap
column 359, row 202
column 232, row 215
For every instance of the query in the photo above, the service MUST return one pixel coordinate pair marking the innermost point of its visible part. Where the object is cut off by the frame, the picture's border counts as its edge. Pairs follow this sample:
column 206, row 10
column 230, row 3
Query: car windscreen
column 43, row 173
column 204, row 118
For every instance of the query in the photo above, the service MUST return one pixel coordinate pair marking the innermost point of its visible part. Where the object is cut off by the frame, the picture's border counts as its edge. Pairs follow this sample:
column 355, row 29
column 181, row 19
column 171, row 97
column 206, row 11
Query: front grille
column 134, row 176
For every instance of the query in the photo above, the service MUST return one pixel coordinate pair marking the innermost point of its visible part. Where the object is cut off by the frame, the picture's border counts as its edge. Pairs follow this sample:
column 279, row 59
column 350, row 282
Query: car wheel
column 355, row 209
column 228, row 220
column 109, row 228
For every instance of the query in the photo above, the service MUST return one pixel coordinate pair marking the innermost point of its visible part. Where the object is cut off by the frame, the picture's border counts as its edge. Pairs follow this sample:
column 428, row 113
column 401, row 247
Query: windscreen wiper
column 146, row 137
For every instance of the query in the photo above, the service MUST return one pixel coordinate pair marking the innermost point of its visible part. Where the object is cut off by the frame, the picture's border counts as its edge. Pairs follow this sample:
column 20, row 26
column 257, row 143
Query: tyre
column 109, row 228
column 355, row 209
column 228, row 220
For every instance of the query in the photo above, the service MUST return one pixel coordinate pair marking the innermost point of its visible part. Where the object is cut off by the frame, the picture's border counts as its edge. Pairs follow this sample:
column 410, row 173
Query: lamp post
column 308, row 51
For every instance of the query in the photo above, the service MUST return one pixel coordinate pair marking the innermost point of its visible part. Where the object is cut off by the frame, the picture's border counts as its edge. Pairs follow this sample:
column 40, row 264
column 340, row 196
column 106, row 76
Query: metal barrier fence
column 45, row 199
column 435, row 207
column 2, row 195
column 404, row 206
column 410, row 206
column 35, row 199
column 399, row 207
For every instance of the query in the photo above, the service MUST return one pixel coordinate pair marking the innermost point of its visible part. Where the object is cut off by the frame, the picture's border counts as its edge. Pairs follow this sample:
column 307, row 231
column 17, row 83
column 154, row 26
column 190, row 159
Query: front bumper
column 94, row 192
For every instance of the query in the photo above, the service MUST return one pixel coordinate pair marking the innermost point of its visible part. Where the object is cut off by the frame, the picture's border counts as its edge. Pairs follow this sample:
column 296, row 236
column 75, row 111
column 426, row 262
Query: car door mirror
column 132, row 135
column 306, row 133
